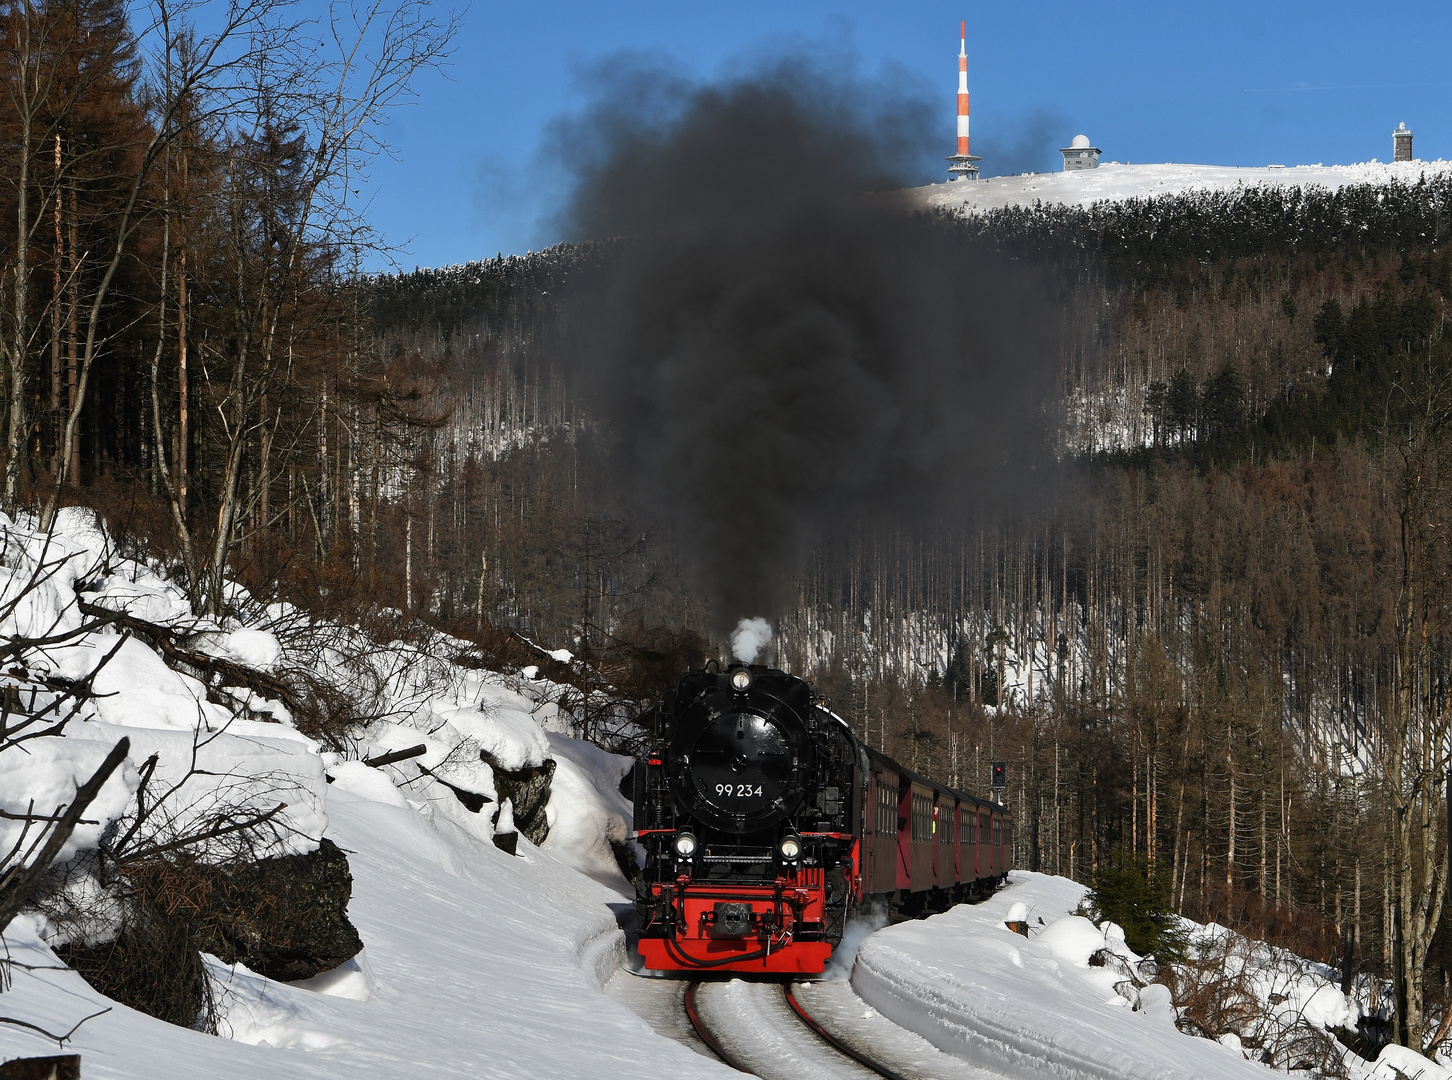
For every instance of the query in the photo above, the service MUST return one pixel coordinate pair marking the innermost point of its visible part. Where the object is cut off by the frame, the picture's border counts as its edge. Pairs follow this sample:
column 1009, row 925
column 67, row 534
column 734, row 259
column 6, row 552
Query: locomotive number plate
column 739, row 791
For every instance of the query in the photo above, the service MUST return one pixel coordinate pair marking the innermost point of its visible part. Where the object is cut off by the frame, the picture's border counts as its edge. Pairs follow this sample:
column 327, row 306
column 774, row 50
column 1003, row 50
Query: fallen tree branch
column 17, row 883
column 396, row 755
column 230, row 672
column 207, row 834
column 60, row 1039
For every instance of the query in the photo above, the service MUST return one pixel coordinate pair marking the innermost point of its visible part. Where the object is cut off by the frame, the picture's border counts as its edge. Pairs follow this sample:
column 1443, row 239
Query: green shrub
column 1125, row 892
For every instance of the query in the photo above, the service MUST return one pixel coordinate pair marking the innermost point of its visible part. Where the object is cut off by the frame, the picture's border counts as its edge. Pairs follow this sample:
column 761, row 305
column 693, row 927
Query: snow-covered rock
column 1399, row 1062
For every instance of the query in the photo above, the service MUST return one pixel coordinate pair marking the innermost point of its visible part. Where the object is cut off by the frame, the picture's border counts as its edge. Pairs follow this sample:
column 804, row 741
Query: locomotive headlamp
column 741, row 679
column 790, row 847
column 685, row 844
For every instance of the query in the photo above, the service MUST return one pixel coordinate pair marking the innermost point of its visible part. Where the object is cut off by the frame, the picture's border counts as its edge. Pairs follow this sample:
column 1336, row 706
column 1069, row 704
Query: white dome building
column 1079, row 154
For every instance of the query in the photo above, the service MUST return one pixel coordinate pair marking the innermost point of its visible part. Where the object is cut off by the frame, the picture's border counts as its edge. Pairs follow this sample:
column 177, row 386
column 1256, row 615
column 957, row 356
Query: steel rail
column 836, row 1043
column 703, row 1032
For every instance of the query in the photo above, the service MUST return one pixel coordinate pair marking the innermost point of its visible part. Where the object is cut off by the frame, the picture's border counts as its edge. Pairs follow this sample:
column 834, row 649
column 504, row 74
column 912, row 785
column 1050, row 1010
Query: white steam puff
column 749, row 638
column 844, row 957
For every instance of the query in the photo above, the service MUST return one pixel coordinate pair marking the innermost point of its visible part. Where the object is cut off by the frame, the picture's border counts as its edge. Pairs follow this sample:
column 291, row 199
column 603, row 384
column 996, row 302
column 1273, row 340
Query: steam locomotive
column 767, row 825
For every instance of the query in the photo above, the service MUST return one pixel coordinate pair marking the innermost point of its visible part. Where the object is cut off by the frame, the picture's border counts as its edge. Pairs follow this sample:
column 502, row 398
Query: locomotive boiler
column 767, row 824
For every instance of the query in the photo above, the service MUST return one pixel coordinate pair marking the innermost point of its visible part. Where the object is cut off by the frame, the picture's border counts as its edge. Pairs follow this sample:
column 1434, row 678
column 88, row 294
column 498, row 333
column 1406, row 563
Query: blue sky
column 1234, row 83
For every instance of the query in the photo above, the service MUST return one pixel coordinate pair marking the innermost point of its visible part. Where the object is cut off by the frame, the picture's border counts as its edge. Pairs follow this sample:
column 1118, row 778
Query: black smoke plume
column 783, row 347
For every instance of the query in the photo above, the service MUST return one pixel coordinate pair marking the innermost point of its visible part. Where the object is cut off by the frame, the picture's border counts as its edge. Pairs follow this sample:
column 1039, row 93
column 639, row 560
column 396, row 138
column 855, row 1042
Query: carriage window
column 886, row 808
column 922, row 814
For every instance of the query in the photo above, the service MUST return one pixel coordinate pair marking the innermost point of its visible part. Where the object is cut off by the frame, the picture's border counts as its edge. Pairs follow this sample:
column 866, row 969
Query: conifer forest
column 1210, row 643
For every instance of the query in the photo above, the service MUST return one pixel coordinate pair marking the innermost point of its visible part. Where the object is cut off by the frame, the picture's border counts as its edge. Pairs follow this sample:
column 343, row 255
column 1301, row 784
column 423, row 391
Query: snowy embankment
column 1113, row 182
column 1038, row 1007
column 1030, row 1008
column 475, row 962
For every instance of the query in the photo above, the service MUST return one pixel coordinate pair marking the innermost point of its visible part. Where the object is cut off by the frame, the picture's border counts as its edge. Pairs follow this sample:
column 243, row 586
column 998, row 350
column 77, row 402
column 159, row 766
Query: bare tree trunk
column 324, row 484
column 72, row 452
column 15, row 346
column 483, row 580
column 56, row 309
column 1230, row 852
column 183, row 431
column 264, row 464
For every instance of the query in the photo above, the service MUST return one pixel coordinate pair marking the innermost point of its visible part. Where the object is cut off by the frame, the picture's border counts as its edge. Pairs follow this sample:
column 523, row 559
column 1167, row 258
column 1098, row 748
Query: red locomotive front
column 776, row 927
column 747, row 807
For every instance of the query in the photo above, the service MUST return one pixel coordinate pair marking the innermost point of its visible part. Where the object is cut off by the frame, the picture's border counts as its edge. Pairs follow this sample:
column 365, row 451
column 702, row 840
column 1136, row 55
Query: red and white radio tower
column 963, row 164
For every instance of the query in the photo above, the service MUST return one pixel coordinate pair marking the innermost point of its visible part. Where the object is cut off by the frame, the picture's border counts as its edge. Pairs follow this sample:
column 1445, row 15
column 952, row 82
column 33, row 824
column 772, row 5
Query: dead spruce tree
column 1417, row 728
column 289, row 220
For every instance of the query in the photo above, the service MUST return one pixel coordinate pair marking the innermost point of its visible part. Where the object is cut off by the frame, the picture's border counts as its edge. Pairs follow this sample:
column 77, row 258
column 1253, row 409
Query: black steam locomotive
column 767, row 823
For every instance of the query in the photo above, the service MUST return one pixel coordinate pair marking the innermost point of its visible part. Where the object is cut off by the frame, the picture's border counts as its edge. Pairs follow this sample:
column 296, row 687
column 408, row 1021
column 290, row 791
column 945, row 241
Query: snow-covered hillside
column 477, row 962
column 1113, row 181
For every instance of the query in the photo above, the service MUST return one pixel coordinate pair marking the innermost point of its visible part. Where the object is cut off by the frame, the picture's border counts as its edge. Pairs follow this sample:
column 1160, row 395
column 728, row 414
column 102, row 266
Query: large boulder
column 286, row 917
column 528, row 791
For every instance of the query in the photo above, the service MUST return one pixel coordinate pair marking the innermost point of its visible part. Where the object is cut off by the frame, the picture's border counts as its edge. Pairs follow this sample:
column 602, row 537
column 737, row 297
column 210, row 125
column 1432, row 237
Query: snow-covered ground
column 1112, row 181
column 1029, row 1007
column 476, row 962
column 1035, row 1007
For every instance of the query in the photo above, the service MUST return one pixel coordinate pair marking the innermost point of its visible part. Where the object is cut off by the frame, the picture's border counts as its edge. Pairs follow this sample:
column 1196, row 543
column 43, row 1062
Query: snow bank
column 252, row 648
column 476, row 961
column 587, row 812
column 1030, row 1008
column 477, row 964
column 1400, row 1063
column 47, row 777
column 1300, row 989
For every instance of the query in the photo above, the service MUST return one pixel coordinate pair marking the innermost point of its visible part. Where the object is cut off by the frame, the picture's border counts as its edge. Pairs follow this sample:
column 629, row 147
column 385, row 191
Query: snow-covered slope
column 1031, row 1007
column 1038, row 1006
column 1115, row 182
column 476, row 962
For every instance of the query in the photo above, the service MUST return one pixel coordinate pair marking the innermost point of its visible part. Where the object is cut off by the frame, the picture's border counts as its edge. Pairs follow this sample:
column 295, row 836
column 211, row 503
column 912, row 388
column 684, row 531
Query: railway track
column 757, row 1028
column 882, row 1070
column 702, row 1031
column 773, row 1048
